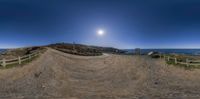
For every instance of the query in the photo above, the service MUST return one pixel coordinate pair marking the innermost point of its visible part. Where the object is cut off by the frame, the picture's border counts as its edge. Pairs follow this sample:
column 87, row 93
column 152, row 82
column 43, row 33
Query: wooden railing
column 19, row 60
column 186, row 62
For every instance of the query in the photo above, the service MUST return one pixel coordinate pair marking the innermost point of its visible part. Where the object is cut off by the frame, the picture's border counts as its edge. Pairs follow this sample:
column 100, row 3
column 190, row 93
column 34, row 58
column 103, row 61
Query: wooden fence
column 186, row 62
column 18, row 60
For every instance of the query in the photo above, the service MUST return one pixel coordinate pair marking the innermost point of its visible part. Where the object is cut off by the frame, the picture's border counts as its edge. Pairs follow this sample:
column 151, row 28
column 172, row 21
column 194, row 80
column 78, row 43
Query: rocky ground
column 57, row 75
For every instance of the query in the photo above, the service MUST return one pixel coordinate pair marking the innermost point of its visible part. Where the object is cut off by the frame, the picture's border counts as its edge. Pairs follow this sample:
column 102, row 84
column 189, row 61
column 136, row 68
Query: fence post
column 164, row 56
column 19, row 59
column 39, row 52
column 187, row 62
column 175, row 60
column 168, row 58
column 74, row 46
column 4, row 62
column 29, row 57
column 160, row 56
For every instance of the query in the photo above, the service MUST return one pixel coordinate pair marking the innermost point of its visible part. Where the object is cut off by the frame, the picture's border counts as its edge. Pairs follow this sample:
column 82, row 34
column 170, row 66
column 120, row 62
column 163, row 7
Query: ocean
column 168, row 51
column 2, row 50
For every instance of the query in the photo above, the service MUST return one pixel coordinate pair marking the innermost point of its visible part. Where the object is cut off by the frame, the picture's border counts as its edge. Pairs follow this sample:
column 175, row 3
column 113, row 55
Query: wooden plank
column 25, row 59
column 194, row 64
column 195, row 61
column 31, row 54
column 171, row 58
column 10, row 63
column 16, row 59
column 26, row 56
column 35, row 52
column 35, row 55
column 183, row 63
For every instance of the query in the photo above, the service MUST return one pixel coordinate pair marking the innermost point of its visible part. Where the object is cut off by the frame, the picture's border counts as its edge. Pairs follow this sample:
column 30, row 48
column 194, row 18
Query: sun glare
column 100, row 32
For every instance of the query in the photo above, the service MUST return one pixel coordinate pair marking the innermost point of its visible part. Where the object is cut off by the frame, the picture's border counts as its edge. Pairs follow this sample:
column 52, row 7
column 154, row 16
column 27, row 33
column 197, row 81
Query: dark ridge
column 84, row 50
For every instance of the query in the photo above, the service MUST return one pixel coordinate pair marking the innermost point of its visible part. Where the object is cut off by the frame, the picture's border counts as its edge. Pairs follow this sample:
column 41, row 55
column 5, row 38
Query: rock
column 154, row 54
column 150, row 53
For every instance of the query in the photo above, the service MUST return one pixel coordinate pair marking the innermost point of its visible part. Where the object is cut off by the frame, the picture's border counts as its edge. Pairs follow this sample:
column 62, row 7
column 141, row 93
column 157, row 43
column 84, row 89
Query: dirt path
column 63, row 76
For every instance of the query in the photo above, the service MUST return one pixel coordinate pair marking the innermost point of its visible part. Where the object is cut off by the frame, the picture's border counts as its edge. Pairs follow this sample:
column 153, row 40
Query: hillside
column 84, row 50
column 76, row 49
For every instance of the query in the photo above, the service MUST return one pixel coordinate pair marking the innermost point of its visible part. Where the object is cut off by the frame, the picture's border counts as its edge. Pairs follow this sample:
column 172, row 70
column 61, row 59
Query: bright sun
column 100, row 32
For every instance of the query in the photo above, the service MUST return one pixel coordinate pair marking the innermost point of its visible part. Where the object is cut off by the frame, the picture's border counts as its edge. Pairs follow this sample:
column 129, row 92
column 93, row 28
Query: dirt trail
column 63, row 76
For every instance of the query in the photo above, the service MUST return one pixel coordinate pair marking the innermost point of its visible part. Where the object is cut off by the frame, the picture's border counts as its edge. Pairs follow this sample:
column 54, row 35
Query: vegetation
column 84, row 50
column 14, row 53
column 22, row 63
column 183, row 58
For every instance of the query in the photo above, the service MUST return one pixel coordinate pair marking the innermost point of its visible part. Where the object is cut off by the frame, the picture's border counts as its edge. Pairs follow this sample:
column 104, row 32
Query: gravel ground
column 57, row 75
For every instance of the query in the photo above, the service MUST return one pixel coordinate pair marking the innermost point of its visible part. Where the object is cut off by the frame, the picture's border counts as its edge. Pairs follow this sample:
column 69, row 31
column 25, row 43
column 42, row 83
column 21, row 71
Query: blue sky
column 127, row 23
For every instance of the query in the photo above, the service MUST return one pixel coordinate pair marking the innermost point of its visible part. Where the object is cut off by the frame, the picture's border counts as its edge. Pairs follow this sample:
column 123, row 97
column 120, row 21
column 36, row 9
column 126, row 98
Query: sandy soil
column 56, row 75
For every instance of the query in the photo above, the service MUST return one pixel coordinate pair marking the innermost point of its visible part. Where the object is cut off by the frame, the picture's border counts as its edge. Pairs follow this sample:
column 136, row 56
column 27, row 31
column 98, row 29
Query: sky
column 126, row 23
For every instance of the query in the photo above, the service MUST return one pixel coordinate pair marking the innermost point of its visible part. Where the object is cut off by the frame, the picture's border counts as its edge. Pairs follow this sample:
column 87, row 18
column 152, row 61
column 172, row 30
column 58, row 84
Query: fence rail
column 19, row 60
column 186, row 62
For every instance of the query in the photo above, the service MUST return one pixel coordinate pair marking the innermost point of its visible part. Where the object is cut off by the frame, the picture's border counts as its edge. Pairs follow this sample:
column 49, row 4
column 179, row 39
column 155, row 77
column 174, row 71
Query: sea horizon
column 168, row 51
column 2, row 50
column 187, row 51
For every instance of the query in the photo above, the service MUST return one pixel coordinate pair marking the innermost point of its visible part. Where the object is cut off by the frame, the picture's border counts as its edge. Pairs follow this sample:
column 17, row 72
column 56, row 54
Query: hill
column 84, row 50
column 76, row 49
